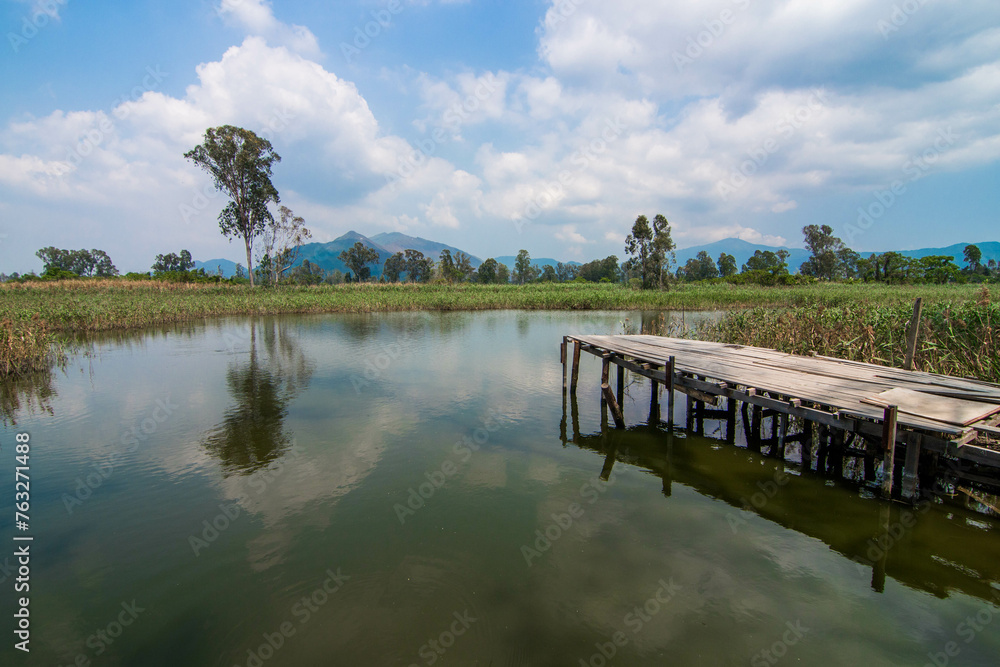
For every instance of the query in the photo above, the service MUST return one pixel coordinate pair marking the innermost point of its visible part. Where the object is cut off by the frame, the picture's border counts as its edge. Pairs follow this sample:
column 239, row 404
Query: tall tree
column 767, row 260
column 282, row 241
column 825, row 262
column 463, row 266
column 357, row 258
column 651, row 247
column 394, row 266
column 701, row 267
column 172, row 262
column 727, row 265
column 522, row 267
column 973, row 257
column 418, row 267
column 487, row 272
column 240, row 164
column 662, row 254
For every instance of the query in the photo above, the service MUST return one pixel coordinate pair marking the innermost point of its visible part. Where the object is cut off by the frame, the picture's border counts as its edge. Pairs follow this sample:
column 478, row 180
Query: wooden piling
column 912, row 334
column 671, row 363
column 731, row 420
column 910, row 467
column 654, row 402
column 576, row 367
column 621, row 385
column 889, row 447
column 616, row 411
column 562, row 360
column 782, row 434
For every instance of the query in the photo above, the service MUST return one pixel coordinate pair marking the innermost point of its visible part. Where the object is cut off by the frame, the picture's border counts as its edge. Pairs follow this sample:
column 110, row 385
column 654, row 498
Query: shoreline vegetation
column 860, row 321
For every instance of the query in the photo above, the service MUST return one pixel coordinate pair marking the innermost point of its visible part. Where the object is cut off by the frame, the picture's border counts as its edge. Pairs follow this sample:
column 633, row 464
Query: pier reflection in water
column 936, row 545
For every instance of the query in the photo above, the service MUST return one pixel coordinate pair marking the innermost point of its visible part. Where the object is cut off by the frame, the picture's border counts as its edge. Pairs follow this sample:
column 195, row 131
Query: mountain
column 212, row 265
column 989, row 249
column 742, row 251
column 508, row 261
column 397, row 242
column 327, row 255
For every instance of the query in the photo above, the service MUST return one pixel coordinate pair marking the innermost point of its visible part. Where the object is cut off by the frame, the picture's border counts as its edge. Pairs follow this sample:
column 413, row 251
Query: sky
column 497, row 125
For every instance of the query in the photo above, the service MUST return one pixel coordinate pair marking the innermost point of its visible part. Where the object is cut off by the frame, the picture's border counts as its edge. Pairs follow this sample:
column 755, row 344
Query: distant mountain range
column 327, row 255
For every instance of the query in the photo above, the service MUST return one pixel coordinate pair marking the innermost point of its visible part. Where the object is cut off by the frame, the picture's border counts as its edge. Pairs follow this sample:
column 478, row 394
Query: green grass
column 37, row 317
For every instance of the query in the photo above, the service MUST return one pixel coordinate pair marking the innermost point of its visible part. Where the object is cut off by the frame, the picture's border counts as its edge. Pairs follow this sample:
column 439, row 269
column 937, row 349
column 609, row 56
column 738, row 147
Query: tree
column 418, row 267
column 282, row 241
column 727, row 265
column 307, row 273
column 600, row 270
column 662, row 248
column 566, row 272
column 487, row 273
column 357, row 258
column 766, row 260
column 973, row 257
column 503, row 274
column 651, row 247
column 172, row 262
column 463, row 266
column 701, row 267
column 522, row 267
column 394, row 266
column 548, row 273
column 446, row 266
column 59, row 263
column 240, row 164
column 825, row 262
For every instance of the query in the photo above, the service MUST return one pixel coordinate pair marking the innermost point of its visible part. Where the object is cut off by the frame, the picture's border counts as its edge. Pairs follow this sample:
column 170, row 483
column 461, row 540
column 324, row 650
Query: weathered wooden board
column 938, row 408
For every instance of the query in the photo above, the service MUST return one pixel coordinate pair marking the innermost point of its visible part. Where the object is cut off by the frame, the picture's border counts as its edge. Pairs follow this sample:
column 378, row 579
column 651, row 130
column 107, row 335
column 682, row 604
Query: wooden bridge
column 888, row 410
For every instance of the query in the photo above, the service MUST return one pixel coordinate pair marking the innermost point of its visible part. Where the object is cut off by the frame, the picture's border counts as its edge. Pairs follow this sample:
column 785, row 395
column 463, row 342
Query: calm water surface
column 413, row 489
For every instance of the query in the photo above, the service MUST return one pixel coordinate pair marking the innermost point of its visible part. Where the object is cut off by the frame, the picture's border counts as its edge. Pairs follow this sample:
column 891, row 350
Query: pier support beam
column 654, row 402
column 616, row 411
column 576, row 368
column 889, row 446
column 621, row 385
column 562, row 360
column 910, row 467
column 670, row 391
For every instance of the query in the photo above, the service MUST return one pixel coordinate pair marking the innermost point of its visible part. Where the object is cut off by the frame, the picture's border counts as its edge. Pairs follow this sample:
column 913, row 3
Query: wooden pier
column 882, row 414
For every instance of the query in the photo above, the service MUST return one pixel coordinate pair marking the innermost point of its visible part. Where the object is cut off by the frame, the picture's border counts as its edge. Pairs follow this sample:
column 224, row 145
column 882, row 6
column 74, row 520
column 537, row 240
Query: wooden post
column 912, row 333
column 755, row 418
column 670, row 390
column 889, row 445
column 910, row 468
column 562, row 360
column 576, row 368
column 621, row 385
column 782, row 432
column 654, row 402
column 806, row 445
column 731, row 420
column 616, row 411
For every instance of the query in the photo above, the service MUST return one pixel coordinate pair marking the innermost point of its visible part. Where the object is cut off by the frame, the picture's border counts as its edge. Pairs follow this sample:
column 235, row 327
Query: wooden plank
column 576, row 367
column 931, row 406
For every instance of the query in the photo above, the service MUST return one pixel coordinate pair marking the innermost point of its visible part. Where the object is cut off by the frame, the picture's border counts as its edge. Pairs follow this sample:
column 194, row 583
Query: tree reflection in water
column 253, row 433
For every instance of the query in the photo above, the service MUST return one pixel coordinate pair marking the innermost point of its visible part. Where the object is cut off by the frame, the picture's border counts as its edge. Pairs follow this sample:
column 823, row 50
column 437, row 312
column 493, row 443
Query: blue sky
column 495, row 126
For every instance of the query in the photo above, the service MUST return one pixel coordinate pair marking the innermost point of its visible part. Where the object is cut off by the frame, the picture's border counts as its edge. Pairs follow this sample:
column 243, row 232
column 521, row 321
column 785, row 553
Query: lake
column 415, row 489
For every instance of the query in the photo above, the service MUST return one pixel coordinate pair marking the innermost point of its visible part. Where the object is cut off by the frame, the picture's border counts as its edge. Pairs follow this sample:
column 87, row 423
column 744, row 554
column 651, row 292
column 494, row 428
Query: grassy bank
column 958, row 338
column 34, row 315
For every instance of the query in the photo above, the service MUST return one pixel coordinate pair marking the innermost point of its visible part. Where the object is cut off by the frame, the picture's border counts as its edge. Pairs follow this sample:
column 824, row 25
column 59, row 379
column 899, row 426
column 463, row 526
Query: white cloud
column 257, row 18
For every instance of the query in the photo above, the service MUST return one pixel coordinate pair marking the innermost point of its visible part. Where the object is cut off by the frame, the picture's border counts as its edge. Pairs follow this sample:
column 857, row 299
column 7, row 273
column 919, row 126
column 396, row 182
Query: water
column 413, row 489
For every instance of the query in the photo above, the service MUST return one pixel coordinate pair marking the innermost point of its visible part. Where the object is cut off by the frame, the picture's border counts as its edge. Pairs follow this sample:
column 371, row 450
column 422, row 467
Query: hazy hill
column 388, row 243
column 742, row 251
